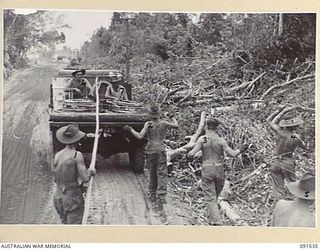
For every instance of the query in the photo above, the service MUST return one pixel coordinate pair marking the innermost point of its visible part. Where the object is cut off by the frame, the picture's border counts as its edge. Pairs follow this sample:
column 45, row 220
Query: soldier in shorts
column 154, row 131
column 283, row 167
column 212, row 173
column 69, row 170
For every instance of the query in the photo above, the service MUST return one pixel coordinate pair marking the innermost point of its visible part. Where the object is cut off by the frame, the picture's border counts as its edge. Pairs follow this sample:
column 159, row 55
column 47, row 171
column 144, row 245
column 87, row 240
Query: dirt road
column 118, row 195
column 26, row 175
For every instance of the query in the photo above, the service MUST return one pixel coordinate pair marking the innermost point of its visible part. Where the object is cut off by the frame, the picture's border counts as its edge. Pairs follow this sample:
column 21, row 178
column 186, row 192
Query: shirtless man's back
column 212, row 173
column 70, row 171
column 283, row 167
column 289, row 214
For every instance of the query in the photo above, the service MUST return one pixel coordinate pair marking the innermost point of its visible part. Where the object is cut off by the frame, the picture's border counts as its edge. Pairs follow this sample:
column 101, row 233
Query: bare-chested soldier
column 212, row 174
column 69, row 170
column 154, row 131
column 297, row 213
column 283, row 167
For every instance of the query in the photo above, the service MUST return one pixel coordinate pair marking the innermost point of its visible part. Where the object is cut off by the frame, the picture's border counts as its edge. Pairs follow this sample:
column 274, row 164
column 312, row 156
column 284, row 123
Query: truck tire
column 137, row 159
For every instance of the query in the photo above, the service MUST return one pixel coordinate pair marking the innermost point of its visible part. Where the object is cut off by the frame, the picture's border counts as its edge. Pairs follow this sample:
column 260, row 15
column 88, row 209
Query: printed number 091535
column 314, row 246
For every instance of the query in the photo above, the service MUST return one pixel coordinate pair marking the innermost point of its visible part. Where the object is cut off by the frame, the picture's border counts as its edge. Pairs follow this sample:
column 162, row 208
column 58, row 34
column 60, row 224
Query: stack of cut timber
column 80, row 105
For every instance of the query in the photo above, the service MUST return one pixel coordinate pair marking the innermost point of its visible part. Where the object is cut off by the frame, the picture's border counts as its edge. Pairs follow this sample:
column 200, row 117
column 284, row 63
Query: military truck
column 113, row 115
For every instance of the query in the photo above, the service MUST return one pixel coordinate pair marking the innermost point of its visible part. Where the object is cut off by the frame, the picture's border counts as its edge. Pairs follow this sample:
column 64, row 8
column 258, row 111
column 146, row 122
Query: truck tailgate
column 103, row 117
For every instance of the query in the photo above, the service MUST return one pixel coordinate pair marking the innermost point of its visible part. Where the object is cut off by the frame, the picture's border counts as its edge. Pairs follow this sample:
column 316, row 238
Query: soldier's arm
column 273, row 123
column 93, row 89
column 124, row 94
column 88, row 85
column 301, row 143
column 68, row 85
column 96, row 85
column 55, row 161
column 228, row 150
column 84, row 173
column 139, row 135
column 108, row 93
column 173, row 124
column 196, row 148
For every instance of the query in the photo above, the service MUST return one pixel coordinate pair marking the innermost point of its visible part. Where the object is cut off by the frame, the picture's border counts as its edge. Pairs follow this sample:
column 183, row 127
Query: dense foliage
column 248, row 65
column 24, row 32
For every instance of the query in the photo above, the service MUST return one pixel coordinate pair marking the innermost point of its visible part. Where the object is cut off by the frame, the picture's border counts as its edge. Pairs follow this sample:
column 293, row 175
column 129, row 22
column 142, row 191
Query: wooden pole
column 93, row 158
column 128, row 51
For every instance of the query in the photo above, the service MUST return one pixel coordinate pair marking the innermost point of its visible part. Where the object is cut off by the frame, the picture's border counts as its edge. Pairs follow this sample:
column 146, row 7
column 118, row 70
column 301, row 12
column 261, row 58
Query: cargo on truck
column 64, row 109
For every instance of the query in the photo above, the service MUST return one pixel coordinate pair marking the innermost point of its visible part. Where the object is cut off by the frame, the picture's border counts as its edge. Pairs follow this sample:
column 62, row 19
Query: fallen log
column 254, row 106
column 226, row 191
column 256, row 171
column 212, row 100
column 283, row 85
column 225, row 207
column 232, row 215
column 246, row 84
column 174, row 91
column 286, row 110
column 188, row 93
column 212, row 65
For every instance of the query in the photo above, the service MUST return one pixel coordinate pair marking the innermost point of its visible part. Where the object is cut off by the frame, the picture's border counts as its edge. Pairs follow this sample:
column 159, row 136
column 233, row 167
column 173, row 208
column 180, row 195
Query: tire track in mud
column 16, row 172
column 26, row 178
column 117, row 197
column 120, row 197
column 17, row 146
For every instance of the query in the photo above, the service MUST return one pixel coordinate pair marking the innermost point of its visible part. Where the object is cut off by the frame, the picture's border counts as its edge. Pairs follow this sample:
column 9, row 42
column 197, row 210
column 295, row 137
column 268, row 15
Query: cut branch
column 289, row 109
column 283, row 85
column 232, row 215
column 212, row 65
column 246, row 84
column 188, row 94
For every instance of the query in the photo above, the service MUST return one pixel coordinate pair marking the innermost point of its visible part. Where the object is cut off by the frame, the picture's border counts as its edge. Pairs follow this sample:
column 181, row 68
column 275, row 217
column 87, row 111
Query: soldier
column 116, row 90
column 297, row 213
column 69, row 169
column 154, row 131
column 79, row 86
column 283, row 167
column 212, row 173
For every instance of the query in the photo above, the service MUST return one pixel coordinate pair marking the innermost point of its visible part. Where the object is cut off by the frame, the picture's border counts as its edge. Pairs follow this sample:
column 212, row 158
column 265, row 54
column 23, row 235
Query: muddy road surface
column 119, row 197
column 26, row 173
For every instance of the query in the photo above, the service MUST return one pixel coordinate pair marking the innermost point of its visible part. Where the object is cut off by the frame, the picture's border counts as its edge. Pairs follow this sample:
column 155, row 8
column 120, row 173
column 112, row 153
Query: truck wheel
column 137, row 159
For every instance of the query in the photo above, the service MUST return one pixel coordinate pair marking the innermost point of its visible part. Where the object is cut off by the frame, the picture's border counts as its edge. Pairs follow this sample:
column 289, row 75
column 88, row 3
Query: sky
column 83, row 24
